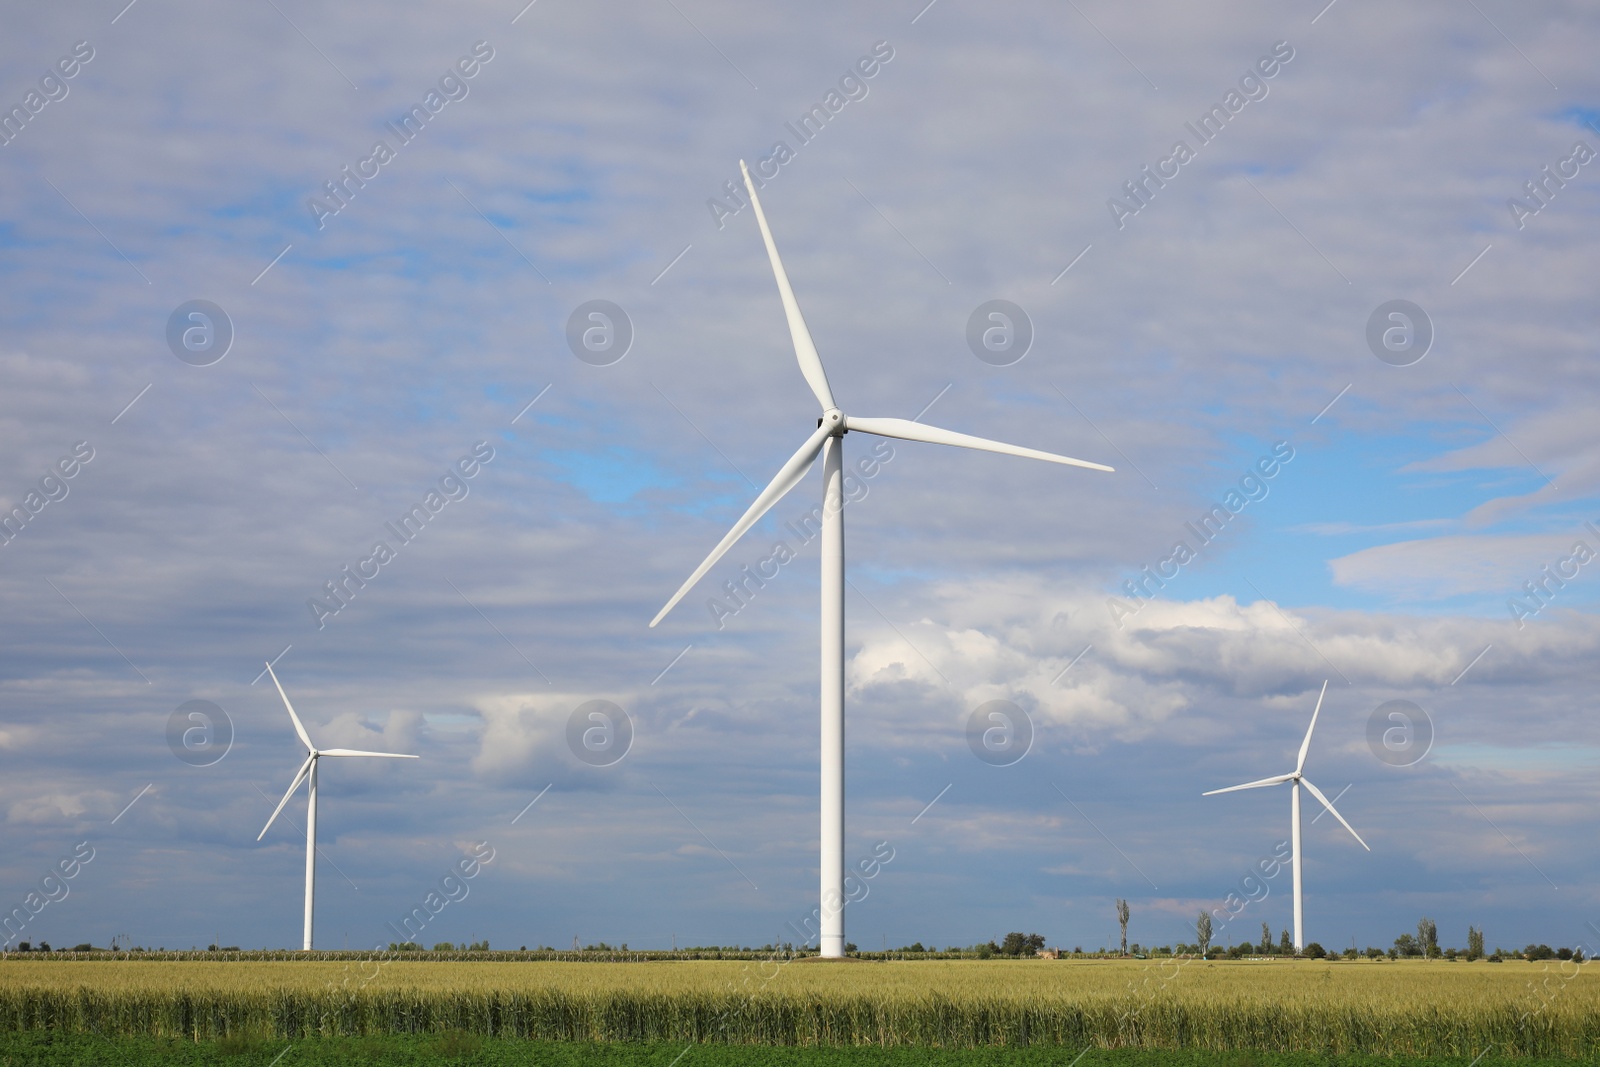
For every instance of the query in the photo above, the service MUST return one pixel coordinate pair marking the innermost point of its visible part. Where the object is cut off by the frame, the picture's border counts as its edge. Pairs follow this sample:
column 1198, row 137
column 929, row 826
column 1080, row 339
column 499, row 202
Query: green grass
column 50, row 1049
column 1210, row 1009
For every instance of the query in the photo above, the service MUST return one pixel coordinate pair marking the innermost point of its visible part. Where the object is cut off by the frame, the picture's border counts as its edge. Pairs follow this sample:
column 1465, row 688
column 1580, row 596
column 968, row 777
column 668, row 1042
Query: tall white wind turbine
column 308, row 773
column 828, row 441
column 1297, row 778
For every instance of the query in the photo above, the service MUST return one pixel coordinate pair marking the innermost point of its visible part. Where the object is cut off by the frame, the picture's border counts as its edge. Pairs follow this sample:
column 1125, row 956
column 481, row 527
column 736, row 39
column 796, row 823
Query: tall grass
column 1417, row 1009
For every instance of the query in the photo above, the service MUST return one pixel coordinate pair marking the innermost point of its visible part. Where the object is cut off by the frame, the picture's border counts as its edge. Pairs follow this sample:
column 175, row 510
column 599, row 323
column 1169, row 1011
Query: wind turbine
column 828, row 441
column 308, row 772
column 1298, row 778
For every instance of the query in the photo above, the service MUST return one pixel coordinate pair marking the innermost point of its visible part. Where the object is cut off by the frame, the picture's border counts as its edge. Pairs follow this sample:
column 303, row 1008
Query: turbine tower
column 828, row 441
column 1297, row 778
column 308, row 773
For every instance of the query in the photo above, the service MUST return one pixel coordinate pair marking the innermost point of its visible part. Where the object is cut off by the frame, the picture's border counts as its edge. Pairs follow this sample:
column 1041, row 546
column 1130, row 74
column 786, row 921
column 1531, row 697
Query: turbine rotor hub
column 835, row 418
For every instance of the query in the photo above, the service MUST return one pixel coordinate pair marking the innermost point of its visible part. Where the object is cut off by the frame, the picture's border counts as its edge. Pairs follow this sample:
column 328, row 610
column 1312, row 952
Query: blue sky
column 432, row 313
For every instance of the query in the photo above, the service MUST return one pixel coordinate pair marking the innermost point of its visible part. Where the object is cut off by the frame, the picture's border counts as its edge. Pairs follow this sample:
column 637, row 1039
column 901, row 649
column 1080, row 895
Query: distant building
column 1048, row 953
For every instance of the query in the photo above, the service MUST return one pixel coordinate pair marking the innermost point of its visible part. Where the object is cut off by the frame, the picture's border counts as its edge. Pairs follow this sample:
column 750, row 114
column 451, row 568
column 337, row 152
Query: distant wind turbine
column 1298, row 779
column 308, row 772
column 828, row 441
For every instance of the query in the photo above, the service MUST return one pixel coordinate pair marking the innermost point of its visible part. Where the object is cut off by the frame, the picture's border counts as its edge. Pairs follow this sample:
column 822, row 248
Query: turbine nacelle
column 827, row 440
column 1295, row 779
column 833, row 421
column 308, row 773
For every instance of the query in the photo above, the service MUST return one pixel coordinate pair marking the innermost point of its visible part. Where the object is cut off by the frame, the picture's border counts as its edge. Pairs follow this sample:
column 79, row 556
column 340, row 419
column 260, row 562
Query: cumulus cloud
column 1176, row 667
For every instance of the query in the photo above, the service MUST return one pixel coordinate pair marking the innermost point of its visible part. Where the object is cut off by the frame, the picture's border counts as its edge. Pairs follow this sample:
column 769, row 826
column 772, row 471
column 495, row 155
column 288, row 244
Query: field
column 1206, row 1012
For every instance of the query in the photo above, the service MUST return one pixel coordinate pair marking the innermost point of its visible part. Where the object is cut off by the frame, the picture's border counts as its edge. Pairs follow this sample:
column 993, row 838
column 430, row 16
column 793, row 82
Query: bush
column 1315, row 951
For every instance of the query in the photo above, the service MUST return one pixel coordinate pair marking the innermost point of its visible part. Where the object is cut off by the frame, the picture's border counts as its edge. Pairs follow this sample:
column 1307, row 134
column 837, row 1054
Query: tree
column 1202, row 931
column 1017, row 943
column 1406, row 945
column 1428, row 937
column 1286, row 946
column 1122, row 917
column 1315, row 951
column 1474, row 943
column 1266, row 940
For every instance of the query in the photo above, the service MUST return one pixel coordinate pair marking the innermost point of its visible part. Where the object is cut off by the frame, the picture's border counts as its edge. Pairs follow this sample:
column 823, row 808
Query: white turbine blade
column 907, row 430
column 305, row 769
column 1275, row 780
column 1305, row 746
column 359, row 752
column 804, row 351
column 1334, row 811
column 787, row 478
column 299, row 729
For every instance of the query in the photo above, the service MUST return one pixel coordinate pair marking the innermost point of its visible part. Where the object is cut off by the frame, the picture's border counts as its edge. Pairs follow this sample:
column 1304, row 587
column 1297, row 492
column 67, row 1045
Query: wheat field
column 1385, row 1008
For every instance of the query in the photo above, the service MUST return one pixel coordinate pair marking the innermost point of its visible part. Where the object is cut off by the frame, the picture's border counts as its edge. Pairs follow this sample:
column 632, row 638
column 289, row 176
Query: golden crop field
column 1386, row 1008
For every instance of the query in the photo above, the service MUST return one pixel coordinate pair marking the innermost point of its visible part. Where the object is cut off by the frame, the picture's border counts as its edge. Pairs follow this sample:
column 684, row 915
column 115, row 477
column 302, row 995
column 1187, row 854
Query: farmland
column 1198, row 1008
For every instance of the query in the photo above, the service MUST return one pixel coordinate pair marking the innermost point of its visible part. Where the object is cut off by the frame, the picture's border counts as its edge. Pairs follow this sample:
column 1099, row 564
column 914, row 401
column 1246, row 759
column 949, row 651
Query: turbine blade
column 804, row 351
column 305, row 769
column 907, row 430
column 1333, row 811
column 1305, row 746
column 299, row 729
column 359, row 752
column 1275, row 780
column 786, row 479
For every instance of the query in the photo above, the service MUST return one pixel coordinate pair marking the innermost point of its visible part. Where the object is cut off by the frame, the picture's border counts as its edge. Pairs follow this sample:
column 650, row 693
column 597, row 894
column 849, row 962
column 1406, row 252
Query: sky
column 262, row 295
